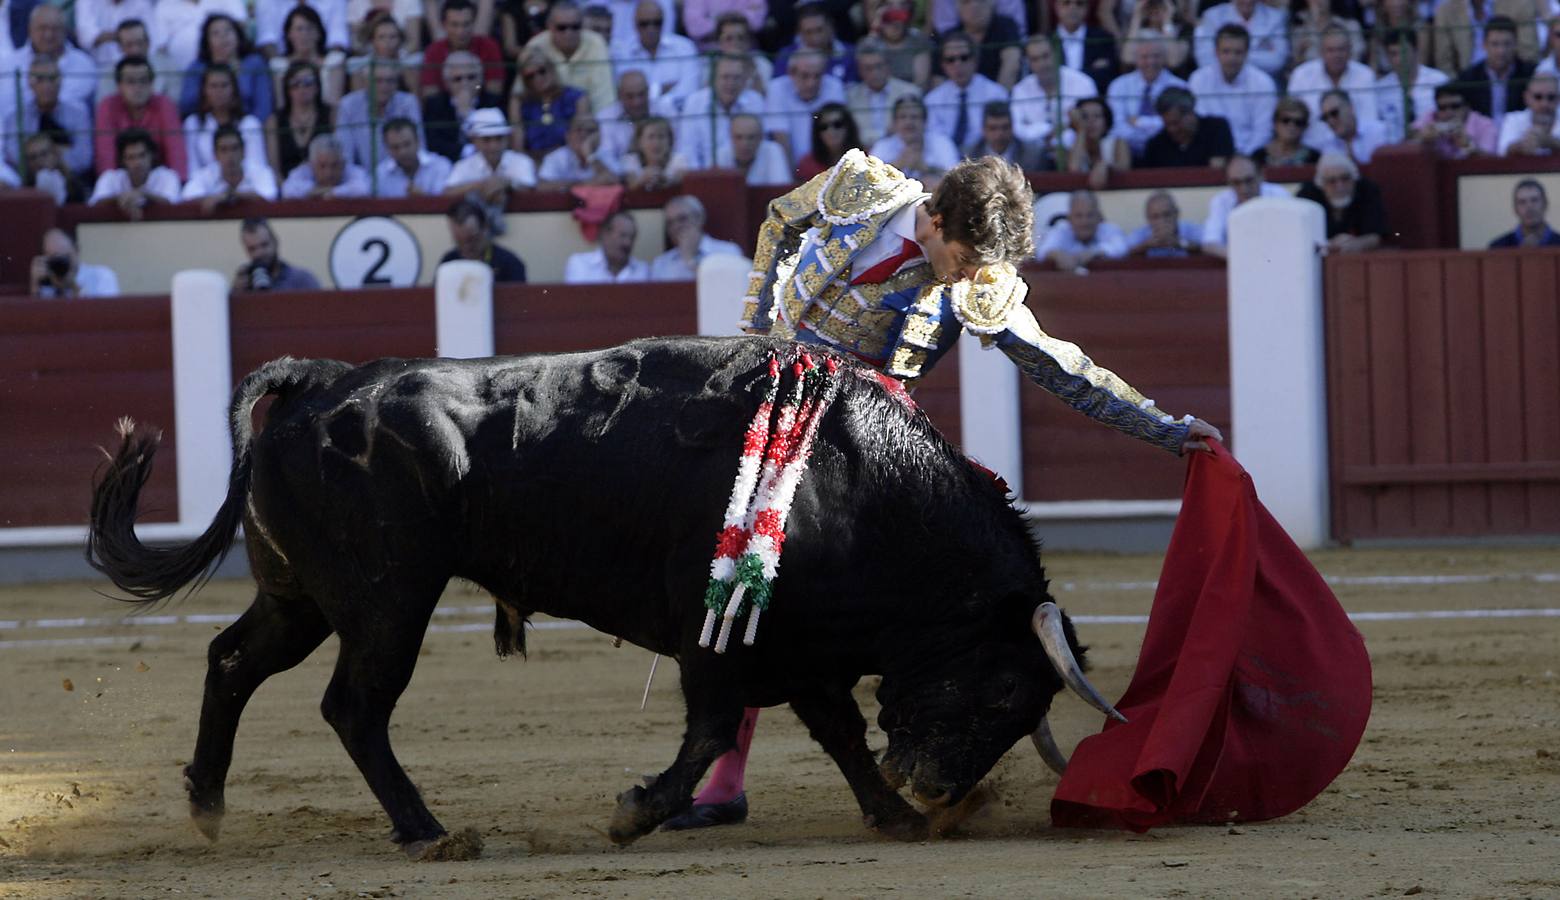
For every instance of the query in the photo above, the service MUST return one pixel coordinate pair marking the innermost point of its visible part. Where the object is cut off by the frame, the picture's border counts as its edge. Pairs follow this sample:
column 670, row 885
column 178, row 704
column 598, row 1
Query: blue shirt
column 254, row 87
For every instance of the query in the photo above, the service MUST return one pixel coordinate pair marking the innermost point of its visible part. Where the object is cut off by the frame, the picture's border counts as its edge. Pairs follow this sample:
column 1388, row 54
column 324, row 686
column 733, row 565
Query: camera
column 59, row 265
column 259, row 277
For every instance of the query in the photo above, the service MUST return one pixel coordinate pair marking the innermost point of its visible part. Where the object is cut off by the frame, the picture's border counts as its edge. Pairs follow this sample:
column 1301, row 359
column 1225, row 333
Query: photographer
column 265, row 270
column 1454, row 130
column 59, row 272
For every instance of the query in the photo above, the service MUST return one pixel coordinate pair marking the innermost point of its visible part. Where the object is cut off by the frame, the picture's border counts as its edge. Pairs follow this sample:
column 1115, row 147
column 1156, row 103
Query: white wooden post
column 463, row 309
column 722, row 283
column 1278, row 374
column 989, row 421
column 202, row 393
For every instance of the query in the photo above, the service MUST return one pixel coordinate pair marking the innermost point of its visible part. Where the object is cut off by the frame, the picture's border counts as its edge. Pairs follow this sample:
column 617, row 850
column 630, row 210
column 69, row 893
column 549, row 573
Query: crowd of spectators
column 140, row 102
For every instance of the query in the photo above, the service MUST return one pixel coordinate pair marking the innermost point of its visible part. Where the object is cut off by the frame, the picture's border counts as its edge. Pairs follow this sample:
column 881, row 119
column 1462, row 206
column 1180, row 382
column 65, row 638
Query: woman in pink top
column 136, row 105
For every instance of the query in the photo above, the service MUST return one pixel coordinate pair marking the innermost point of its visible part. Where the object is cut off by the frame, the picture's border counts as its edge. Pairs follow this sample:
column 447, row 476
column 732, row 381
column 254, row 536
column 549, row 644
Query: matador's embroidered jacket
column 800, row 288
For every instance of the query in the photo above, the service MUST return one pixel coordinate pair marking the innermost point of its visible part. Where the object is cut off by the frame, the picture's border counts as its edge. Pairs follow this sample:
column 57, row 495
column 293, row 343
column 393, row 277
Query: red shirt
column 484, row 47
column 160, row 117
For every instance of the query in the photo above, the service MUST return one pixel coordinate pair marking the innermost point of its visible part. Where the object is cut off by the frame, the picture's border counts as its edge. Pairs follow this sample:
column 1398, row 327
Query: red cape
column 1252, row 688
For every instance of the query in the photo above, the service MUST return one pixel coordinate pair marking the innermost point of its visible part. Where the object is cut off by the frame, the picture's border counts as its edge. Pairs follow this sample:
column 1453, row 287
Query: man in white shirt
column 581, row 57
column 46, row 109
column 97, row 24
column 1534, row 131
column 361, row 112
column 871, row 100
column 762, row 160
column 410, row 171
column 624, row 19
column 795, row 96
column 1082, row 237
column 1244, row 178
column 633, row 105
column 136, row 184
column 1236, row 91
column 271, row 15
column 493, row 170
column 1333, row 70
column 230, row 178
column 953, row 108
column 1131, row 96
column 1401, row 45
column 1034, row 97
column 1267, row 25
column 177, row 27
column 613, row 259
column 671, row 62
column 46, row 31
column 59, row 272
column 706, row 114
column 326, row 174
column 685, row 218
column 579, row 160
column 1350, row 135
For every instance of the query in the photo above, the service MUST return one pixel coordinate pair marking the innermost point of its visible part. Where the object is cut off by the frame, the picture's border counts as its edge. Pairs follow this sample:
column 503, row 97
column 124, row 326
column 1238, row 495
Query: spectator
column 1531, row 204
column 685, row 218
column 273, row 17
column 520, row 22
column 1393, row 16
column 762, row 160
column 795, row 96
column 834, row 132
column 179, row 27
column 651, row 164
column 1097, row 149
column 1291, row 120
column 1461, row 26
column 46, row 30
column 326, row 174
column 1534, row 130
column 702, row 19
column 954, row 107
column 1160, row 20
column 612, row 261
column 625, row 26
column 98, row 22
column 908, row 51
column 1333, row 71
column 996, row 139
column 947, row 15
column 493, row 171
column 1035, row 95
column 599, row 21
column 579, row 160
column 913, row 149
column 301, row 118
column 1164, row 235
column 47, row 172
column 670, row 61
column 363, row 112
column 620, row 120
column 995, row 38
column 1356, row 215
column 1454, row 130
column 1187, row 139
column 1132, row 96
column 266, row 271
column 871, row 99
column 459, row 19
column 232, row 176
column 139, row 181
column 408, row 170
column 543, row 106
column 303, row 40
column 1351, row 136
column 1267, row 26
column 224, row 42
column 1085, row 48
column 444, row 112
column 815, row 32
column 130, row 39
column 1082, row 237
column 385, row 41
column 1310, row 22
column 220, row 106
column 59, row 272
column 1244, row 177
column 481, row 24
column 734, row 37
column 1494, row 84
column 706, row 114
column 473, row 240
column 1550, row 63
column 1405, row 75
column 580, row 57
column 1236, row 91
column 136, row 106
column 407, row 15
column 45, row 110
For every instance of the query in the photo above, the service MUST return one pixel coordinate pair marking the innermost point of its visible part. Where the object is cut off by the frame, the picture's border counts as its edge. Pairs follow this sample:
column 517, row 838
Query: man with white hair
column 795, row 96
column 444, row 112
column 1356, row 215
column 706, row 114
column 1083, row 236
column 1131, row 96
column 326, row 174
column 761, row 159
column 671, row 62
column 685, row 219
column 46, row 31
column 1333, row 70
column 1244, row 178
column 1034, row 97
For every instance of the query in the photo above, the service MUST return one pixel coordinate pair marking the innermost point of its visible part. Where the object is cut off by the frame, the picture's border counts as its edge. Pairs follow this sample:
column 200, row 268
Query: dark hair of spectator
column 396, row 124
column 1238, row 157
column 254, row 224
column 1501, row 23
column 620, row 214
column 1292, row 106
column 820, row 150
column 449, row 6
column 244, row 47
column 466, row 210
column 1110, row 117
column 130, row 62
column 226, row 131
column 1340, row 93
column 1398, row 36
column 1533, row 183
column 732, row 18
column 235, row 110
column 284, row 107
column 129, row 138
column 909, row 100
column 1448, row 89
column 644, row 125
column 1174, row 98
column 306, row 12
column 371, row 24
column 987, row 205
column 996, row 109
column 1232, row 30
column 954, row 37
column 813, row 11
column 129, row 23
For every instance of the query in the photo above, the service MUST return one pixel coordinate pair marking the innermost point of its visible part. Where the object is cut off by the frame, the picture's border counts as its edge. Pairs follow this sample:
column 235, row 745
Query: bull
column 590, row 486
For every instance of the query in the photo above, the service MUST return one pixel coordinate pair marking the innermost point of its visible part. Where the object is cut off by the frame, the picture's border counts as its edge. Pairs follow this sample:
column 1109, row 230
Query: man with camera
column 266, row 271
column 59, row 272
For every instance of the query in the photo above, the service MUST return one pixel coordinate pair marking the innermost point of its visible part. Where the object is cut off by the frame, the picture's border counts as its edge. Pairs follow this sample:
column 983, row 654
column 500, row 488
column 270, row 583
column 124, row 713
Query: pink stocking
column 727, row 777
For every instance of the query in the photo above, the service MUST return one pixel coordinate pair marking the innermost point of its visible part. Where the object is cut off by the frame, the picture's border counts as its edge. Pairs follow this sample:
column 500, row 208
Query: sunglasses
column 649, row 23
column 1292, row 120
column 1546, row 96
column 567, row 26
column 1450, row 107
column 533, row 73
column 1329, row 114
column 832, row 125
column 303, row 83
column 467, row 78
column 963, row 57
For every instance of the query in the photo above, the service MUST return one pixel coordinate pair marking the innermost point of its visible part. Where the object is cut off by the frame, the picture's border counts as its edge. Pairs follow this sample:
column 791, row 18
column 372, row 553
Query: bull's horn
column 1046, row 744
column 1047, row 623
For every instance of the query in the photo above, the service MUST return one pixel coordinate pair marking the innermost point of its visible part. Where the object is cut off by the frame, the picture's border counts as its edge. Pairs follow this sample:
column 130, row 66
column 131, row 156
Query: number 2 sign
column 375, row 251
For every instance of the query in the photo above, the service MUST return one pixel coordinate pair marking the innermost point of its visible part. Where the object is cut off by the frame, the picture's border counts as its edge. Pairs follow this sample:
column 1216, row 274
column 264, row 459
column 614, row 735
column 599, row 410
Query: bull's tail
column 150, row 574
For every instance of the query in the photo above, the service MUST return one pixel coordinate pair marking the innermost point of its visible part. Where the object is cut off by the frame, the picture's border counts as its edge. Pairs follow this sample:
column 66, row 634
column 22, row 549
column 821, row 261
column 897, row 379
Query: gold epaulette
column 861, row 187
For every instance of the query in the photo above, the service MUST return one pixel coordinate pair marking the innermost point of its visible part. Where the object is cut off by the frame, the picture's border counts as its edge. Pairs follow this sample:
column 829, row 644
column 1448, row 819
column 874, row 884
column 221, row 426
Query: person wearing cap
column 493, row 170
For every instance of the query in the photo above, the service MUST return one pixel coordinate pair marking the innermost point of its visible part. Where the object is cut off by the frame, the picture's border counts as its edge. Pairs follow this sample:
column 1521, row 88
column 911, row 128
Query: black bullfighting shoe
column 707, row 815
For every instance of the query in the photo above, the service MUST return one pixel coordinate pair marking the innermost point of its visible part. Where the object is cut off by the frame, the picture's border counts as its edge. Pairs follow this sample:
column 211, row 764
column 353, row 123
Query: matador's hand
column 1195, row 434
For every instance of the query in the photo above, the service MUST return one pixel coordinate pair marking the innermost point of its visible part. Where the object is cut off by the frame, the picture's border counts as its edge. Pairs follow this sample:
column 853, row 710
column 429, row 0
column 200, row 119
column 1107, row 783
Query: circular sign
column 375, row 251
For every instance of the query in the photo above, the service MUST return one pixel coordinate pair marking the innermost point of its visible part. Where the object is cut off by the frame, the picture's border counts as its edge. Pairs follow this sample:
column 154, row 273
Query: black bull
column 591, row 486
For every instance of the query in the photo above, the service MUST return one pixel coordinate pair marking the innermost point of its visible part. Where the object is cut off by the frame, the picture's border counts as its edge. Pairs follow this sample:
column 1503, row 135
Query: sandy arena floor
column 1455, row 791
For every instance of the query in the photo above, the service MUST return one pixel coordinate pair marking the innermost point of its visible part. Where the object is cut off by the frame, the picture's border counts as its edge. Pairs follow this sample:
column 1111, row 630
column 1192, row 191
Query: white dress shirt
column 1125, row 96
column 623, row 29
column 1517, row 124
column 359, row 130
column 790, row 115
column 433, row 173
column 590, row 267
column 874, row 110
column 562, row 165
column 1309, row 81
column 516, row 168
column 207, row 180
column 1072, row 46
column 95, row 17
column 937, row 152
column 676, row 70
column 942, row 106
column 1246, row 103
column 162, row 181
column 1220, row 207
column 1268, row 27
column 695, row 127
column 300, row 181
column 200, row 134
column 1389, row 99
column 1369, row 134
column 78, row 75
column 669, row 266
column 617, row 132
column 1109, row 240
column 767, row 169
column 177, row 28
column 1033, row 111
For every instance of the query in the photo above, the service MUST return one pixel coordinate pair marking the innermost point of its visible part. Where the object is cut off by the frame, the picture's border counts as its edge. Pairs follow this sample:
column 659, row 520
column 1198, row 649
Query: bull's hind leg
column 273, row 635
column 834, row 721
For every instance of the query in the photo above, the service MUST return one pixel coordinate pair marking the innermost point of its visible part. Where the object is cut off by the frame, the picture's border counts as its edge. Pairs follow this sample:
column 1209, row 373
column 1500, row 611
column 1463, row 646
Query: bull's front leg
column 834, row 721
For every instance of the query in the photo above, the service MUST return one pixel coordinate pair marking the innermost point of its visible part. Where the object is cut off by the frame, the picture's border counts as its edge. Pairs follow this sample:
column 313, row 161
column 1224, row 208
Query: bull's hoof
column 907, row 825
column 709, row 815
column 205, row 811
column 633, row 819
column 461, row 846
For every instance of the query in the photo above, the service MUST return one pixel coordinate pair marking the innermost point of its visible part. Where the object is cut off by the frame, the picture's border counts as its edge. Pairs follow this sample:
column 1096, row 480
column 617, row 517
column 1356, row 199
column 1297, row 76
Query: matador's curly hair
column 987, row 204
